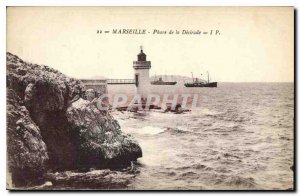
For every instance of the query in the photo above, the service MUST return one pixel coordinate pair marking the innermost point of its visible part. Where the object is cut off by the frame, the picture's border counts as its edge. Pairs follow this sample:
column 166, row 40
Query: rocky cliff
column 52, row 126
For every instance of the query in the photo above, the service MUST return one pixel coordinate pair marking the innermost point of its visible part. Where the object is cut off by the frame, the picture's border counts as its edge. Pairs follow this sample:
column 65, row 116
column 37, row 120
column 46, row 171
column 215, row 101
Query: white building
column 142, row 67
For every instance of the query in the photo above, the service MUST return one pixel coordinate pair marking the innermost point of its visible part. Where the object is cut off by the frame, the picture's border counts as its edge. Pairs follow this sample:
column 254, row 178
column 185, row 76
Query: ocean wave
column 226, row 155
column 151, row 130
column 197, row 166
column 188, row 175
column 285, row 138
column 240, row 182
column 231, row 116
column 226, row 129
column 147, row 130
column 201, row 167
column 176, row 131
column 223, row 170
column 168, row 173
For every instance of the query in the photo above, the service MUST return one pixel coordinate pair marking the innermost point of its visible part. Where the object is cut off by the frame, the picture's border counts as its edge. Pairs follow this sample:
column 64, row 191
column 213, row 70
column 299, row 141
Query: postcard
column 150, row 98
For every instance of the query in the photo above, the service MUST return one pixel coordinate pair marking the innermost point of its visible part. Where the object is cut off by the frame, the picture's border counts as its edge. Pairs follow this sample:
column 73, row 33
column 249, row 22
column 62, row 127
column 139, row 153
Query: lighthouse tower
column 142, row 67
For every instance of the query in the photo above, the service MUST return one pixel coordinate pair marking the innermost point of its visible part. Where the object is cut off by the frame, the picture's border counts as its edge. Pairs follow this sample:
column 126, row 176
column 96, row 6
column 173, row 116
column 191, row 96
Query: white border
column 150, row 3
column 4, row 3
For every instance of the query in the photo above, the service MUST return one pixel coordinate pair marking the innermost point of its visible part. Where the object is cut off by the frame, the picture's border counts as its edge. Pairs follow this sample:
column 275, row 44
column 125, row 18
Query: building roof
column 141, row 56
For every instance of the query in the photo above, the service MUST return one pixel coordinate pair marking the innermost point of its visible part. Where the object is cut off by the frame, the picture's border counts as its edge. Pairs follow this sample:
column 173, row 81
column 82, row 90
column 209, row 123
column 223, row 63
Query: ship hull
column 163, row 83
column 211, row 85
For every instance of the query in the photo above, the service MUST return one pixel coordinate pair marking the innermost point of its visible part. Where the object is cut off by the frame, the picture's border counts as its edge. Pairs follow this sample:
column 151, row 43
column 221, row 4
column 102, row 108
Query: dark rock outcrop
column 27, row 152
column 96, row 179
column 101, row 142
column 51, row 125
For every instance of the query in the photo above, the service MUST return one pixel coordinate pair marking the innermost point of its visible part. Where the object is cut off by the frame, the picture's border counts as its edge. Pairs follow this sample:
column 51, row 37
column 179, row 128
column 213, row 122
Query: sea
column 239, row 137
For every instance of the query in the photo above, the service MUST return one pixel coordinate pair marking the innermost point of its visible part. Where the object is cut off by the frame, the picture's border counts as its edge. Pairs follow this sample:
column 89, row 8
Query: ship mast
column 192, row 76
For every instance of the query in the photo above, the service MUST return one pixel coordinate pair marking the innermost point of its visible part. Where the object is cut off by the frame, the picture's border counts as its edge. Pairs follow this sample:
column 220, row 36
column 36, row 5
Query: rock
column 51, row 125
column 96, row 179
column 90, row 94
column 101, row 142
column 45, row 186
column 26, row 151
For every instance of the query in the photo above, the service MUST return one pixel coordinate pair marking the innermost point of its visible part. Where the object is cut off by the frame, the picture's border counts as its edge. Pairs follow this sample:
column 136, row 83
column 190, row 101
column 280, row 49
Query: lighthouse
column 141, row 74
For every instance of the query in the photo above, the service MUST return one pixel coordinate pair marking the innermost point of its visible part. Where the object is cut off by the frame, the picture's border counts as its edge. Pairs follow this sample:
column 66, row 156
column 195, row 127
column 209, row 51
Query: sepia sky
column 256, row 43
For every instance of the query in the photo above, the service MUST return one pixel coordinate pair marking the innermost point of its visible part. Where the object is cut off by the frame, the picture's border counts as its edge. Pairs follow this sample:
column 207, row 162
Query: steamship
column 161, row 82
column 197, row 83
